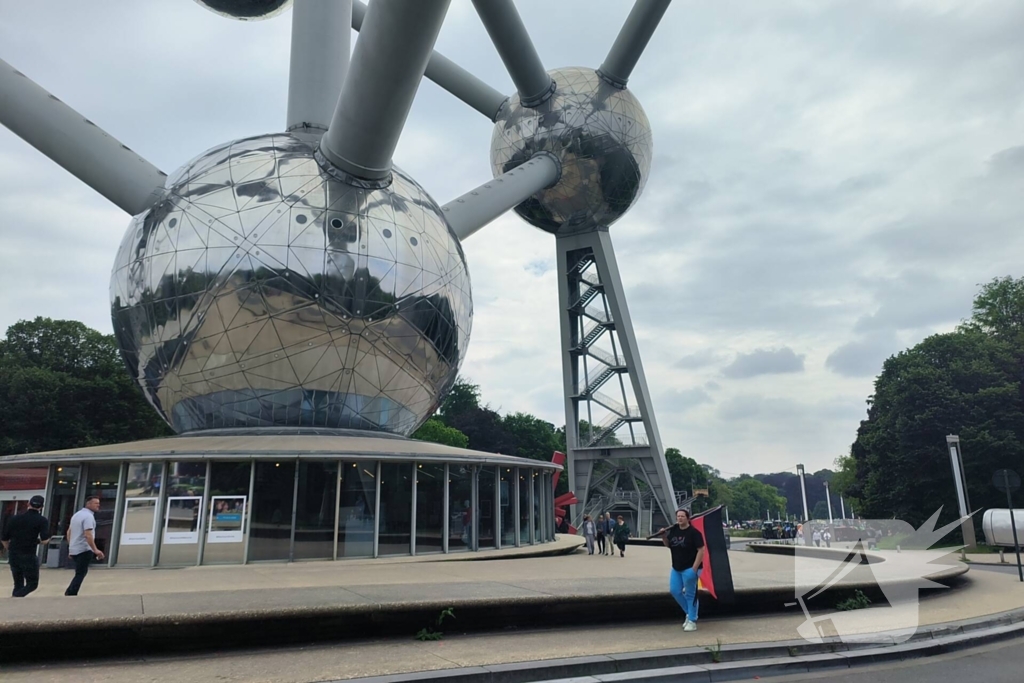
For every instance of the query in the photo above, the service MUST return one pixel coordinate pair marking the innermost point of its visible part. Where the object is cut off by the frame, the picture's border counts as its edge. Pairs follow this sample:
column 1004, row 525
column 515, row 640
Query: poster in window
column 227, row 517
column 181, row 522
column 139, row 521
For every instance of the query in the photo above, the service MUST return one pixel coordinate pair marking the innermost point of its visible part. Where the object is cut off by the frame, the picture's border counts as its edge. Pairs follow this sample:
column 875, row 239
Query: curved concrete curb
column 736, row 661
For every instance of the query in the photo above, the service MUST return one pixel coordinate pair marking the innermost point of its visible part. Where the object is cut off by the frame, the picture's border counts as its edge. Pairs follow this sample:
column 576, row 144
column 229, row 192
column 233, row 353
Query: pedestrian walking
column 621, row 535
column 816, row 537
column 589, row 533
column 827, row 537
column 600, row 535
column 609, row 532
column 21, row 538
column 687, row 546
column 82, row 542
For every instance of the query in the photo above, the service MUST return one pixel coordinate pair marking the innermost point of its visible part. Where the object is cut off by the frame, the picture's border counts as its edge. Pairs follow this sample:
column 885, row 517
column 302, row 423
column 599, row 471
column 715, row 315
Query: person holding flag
column 687, row 546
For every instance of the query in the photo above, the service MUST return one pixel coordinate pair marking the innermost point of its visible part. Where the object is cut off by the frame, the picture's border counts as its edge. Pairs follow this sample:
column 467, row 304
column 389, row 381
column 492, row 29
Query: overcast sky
column 831, row 183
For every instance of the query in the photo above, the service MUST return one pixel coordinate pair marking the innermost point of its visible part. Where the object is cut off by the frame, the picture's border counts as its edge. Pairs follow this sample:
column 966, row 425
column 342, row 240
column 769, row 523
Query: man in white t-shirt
column 82, row 542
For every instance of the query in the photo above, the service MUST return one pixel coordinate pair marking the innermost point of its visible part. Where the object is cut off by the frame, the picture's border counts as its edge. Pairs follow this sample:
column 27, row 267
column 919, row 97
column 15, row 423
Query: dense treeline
column 966, row 382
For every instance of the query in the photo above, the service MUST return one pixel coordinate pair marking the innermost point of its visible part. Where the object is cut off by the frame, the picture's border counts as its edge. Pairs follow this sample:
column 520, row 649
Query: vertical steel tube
column 321, row 44
column 387, row 66
column 633, row 37
column 445, row 510
column 204, row 527
column 412, row 513
column 509, row 35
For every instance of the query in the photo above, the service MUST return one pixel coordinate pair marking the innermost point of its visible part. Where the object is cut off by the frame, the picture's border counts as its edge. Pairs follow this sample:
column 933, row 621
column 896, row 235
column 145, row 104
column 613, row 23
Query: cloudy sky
column 832, row 180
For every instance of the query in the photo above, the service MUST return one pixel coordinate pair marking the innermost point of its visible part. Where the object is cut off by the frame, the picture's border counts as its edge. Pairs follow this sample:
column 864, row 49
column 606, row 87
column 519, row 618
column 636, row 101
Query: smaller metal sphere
column 246, row 10
column 600, row 134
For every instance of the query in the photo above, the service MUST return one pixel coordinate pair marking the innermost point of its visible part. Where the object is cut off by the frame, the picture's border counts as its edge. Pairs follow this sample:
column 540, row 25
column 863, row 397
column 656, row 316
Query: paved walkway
column 977, row 595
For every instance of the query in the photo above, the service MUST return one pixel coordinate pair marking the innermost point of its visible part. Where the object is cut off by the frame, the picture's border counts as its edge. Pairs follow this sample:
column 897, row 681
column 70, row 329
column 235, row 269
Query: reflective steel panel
column 262, row 291
column 246, row 10
column 603, row 139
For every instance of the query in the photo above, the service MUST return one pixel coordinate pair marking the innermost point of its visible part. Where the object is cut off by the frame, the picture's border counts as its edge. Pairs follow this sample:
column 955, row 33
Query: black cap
column 36, row 501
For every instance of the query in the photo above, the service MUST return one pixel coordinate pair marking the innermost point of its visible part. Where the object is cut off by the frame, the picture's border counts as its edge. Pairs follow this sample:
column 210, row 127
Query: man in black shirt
column 21, row 538
column 687, row 546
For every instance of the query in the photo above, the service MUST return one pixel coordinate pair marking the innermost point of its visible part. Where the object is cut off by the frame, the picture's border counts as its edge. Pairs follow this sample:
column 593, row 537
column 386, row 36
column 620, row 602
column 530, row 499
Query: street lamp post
column 842, row 507
column 956, row 460
column 803, row 489
column 828, row 501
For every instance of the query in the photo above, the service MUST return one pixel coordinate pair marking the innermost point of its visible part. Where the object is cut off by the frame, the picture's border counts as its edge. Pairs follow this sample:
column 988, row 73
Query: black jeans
column 25, row 569
column 600, row 544
column 82, row 561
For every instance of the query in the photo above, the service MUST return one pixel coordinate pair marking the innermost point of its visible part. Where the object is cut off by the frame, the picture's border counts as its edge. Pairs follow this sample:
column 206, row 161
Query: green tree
column 751, row 499
column 435, row 431
column 966, row 383
column 686, row 474
column 820, row 510
column 63, row 385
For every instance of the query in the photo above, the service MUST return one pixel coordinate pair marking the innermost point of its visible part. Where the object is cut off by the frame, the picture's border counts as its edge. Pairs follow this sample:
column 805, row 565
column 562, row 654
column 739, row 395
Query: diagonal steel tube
column 451, row 77
column 509, row 35
column 633, row 37
column 387, row 66
column 321, row 43
column 77, row 144
column 480, row 206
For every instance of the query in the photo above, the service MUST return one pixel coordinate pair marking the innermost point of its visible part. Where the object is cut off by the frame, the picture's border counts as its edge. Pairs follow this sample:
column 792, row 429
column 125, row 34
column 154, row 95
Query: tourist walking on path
column 600, row 534
column 21, row 538
column 609, row 532
column 621, row 535
column 827, row 537
column 82, row 542
column 687, row 546
column 816, row 538
column 589, row 533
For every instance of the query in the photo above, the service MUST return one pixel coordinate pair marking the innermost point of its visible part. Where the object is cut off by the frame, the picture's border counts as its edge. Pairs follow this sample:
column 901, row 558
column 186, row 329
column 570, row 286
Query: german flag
column 716, row 578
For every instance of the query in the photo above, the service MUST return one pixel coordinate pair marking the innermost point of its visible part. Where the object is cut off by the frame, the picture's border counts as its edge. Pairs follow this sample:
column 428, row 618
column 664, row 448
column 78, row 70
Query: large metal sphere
column 246, row 10
column 603, row 139
column 264, row 292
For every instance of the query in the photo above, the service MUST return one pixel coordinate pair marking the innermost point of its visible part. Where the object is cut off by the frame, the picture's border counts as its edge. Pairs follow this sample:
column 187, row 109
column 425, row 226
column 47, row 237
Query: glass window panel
column 538, row 519
column 524, row 506
column 227, row 512
column 357, row 509
column 183, row 513
column 429, row 508
column 395, row 519
column 102, row 481
column 486, row 513
column 460, row 496
column 270, row 536
column 506, row 491
column 62, row 498
column 314, row 515
column 23, row 479
column 139, row 527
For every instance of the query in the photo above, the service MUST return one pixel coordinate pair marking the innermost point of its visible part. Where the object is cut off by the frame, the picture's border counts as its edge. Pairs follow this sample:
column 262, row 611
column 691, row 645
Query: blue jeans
column 683, row 587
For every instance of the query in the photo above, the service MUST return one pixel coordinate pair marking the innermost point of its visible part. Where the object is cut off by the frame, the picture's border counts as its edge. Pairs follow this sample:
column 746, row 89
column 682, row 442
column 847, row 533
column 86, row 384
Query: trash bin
column 53, row 552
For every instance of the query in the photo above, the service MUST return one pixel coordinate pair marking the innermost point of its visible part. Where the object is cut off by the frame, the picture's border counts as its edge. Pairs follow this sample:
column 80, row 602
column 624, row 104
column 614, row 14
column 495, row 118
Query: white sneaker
column 686, row 622
column 690, row 626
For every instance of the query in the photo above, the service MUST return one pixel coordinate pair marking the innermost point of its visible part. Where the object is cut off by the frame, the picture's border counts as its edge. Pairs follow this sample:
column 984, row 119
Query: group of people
column 682, row 539
column 25, row 532
column 605, row 533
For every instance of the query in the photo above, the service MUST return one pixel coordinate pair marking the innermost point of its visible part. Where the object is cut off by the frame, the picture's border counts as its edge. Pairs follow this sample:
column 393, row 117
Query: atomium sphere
column 262, row 291
column 600, row 134
column 246, row 10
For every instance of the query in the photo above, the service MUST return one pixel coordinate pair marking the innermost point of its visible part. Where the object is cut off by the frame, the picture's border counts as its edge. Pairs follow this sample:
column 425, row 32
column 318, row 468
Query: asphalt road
column 999, row 663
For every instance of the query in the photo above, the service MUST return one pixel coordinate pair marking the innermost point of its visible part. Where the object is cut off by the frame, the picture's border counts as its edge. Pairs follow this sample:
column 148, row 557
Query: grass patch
column 856, row 601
